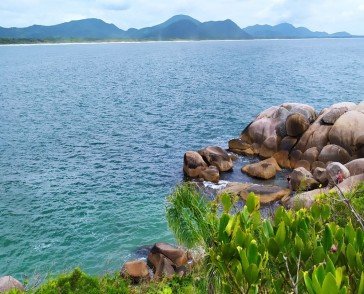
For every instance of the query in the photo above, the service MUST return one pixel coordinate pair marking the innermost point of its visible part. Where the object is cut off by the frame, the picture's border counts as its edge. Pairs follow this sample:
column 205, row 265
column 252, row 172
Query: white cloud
column 324, row 15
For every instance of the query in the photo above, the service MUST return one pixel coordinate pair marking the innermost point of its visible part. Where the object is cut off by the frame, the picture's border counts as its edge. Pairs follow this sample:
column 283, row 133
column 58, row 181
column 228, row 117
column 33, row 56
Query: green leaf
column 329, row 285
column 339, row 276
column 281, row 234
column 298, row 243
column 252, row 274
column 318, row 254
column 308, row 283
column 320, row 274
column 230, row 225
column 226, row 202
column 327, row 238
column 239, row 238
column 361, row 284
column 224, row 220
column 350, row 255
column 243, row 258
column 252, row 202
column 252, row 253
column 273, row 247
column 267, row 229
column 325, row 212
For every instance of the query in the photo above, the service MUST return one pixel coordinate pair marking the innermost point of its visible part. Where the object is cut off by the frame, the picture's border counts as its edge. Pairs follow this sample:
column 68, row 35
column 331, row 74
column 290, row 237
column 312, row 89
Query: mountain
column 286, row 30
column 179, row 27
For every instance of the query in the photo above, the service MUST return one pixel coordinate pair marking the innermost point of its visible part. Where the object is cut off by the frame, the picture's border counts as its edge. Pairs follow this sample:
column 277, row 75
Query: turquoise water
column 92, row 136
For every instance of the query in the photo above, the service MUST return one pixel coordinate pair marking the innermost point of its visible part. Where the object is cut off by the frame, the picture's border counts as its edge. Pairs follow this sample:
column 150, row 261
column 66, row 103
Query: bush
column 303, row 251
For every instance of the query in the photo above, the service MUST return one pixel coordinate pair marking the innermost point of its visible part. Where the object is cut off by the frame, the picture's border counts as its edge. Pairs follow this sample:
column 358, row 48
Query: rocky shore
column 319, row 148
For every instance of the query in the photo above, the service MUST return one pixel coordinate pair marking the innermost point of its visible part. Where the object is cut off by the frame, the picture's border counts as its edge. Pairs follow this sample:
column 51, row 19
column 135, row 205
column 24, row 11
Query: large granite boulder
column 265, row 169
column 161, row 265
column 296, row 124
column 218, row 157
column 333, row 169
column 136, row 270
column 211, row 174
column 193, row 164
column 333, row 114
column 347, row 130
column 240, row 147
column 8, row 283
column 282, row 158
column 310, row 154
column 178, row 256
column 266, row 193
column 334, row 153
column 302, row 180
column 356, row 166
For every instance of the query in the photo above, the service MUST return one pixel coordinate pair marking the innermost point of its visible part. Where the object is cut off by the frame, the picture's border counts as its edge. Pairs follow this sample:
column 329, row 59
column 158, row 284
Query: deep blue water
column 92, row 136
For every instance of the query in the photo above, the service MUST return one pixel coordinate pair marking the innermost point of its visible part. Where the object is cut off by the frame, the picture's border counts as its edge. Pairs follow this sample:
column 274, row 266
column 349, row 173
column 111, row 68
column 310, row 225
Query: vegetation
column 301, row 252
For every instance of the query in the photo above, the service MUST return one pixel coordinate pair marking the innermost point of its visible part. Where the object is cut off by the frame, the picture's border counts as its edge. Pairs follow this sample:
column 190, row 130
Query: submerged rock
column 266, row 193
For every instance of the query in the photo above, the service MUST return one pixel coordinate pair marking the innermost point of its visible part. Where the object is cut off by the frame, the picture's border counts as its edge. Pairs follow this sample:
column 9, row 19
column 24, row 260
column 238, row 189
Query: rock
column 193, row 164
column 347, row 130
column 310, row 154
column 287, row 143
column 333, row 169
column 269, row 147
column 266, row 193
column 318, row 164
column 282, row 159
column 8, row 283
column 178, row 256
column 238, row 146
column 333, row 114
column 301, row 179
column 334, row 153
column 320, row 175
column 137, row 270
column 303, row 163
column 294, row 157
column 211, row 174
column 355, row 166
column 164, row 269
column 218, row 157
column 265, row 169
column 360, row 146
column 296, row 124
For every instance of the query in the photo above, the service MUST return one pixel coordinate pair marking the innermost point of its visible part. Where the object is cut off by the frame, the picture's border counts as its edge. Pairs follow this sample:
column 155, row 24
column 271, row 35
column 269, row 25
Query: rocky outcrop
column 302, row 180
column 193, row 164
column 333, row 153
column 218, row 157
column 8, row 283
column 266, row 193
column 136, row 270
column 265, row 169
column 211, row 174
column 356, row 167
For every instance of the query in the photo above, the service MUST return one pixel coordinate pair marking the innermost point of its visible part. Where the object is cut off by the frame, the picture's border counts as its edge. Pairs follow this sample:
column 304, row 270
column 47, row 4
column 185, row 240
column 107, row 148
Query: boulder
column 347, row 130
column 303, row 163
column 296, row 124
column 211, row 174
column 318, row 164
column 178, row 256
column 287, row 143
column 310, row 154
column 332, row 115
column 294, row 157
column 334, row 153
column 320, row 175
column 301, row 179
column 356, row 166
column 8, row 283
column 162, row 266
column 333, row 169
column 266, row 193
column 269, row 147
column 193, row 164
column 282, row 159
column 265, row 169
column 137, row 270
column 238, row 146
column 218, row 157
column 360, row 146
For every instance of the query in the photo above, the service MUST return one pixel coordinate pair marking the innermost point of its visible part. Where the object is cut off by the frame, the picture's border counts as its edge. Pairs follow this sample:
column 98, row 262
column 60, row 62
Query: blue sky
column 325, row 15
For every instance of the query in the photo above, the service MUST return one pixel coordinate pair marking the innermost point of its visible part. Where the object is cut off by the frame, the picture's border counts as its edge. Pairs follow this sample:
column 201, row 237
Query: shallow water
column 92, row 136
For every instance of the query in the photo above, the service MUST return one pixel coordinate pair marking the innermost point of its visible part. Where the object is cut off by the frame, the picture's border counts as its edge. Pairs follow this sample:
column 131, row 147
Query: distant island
column 179, row 27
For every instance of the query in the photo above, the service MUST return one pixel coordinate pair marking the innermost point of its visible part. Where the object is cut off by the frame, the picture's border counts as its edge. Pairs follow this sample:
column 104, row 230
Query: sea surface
column 92, row 136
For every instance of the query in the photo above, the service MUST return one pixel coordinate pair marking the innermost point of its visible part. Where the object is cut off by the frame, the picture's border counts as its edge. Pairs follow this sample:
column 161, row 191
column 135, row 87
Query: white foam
column 218, row 186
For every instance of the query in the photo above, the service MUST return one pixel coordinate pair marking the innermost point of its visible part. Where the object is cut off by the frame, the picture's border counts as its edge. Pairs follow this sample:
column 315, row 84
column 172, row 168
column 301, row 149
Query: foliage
column 303, row 251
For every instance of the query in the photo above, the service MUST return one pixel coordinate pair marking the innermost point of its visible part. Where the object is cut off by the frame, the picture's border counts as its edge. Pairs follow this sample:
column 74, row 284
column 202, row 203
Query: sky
column 326, row 15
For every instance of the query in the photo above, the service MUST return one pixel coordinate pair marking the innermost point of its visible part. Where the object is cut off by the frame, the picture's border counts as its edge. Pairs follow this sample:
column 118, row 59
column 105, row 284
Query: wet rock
column 218, row 157
column 301, row 180
column 238, row 146
column 193, row 164
column 137, row 270
column 8, row 283
column 266, row 193
column 296, row 124
column 178, row 256
column 356, row 166
column 265, row 169
column 334, row 153
column 320, row 175
column 211, row 174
